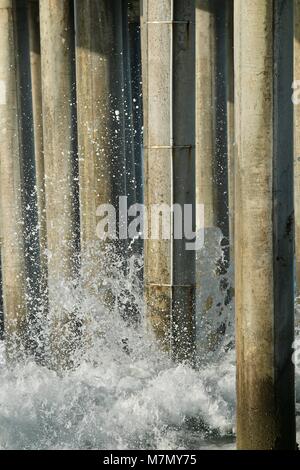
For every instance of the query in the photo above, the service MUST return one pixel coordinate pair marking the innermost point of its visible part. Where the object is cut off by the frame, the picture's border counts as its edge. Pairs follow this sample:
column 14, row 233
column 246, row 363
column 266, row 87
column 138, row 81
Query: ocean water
column 123, row 392
column 121, row 402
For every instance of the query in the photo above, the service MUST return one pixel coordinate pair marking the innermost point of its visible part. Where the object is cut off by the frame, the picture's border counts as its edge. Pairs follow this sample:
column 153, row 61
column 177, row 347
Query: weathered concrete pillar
column 169, row 168
column 102, row 138
column 264, row 228
column 29, row 197
column 211, row 112
column 144, row 57
column 297, row 138
column 211, row 170
column 36, row 90
column 58, row 84
column 101, row 134
column 230, row 122
column 205, row 109
column 12, row 252
column 144, row 80
column 99, row 70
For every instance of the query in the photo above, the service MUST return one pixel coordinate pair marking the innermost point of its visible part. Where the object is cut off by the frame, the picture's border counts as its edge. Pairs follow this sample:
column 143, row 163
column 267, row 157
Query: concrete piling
column 36, row 91
column 264, row 227
column 296, row 100
column 212, row 176
column 12, row 229
column 169, row 168
column 59, row 139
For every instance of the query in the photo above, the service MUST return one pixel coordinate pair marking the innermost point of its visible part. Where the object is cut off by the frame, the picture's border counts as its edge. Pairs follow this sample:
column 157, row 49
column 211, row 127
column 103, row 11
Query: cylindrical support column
column 264, row 227
column 101, row 132
column 169, row 169
column 211, row 170
column 57, row 59
column 29, row 199
column 36, row 92
column 297, row 138
column 99, row 72
column 230, row 122
column 144, row 87
column 12, row 247
column 205, row 109
column 144, row 57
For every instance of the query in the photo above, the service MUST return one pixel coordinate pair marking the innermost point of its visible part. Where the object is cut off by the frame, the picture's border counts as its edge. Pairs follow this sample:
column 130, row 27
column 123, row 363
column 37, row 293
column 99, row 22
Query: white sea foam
column 124, row 393
column 120, row 403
